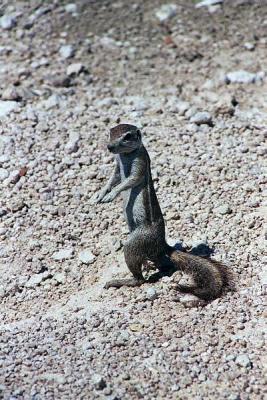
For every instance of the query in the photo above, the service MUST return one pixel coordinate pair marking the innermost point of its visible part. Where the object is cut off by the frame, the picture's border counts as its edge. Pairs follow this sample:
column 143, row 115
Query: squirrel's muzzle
column 111, row 147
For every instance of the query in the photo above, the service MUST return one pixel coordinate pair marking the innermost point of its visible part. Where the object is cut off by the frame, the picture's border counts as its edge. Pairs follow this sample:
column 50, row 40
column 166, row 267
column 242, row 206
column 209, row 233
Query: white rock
column 11, row 94
column 249, row 46
column 166, row 12
column 63, row 254
column 35, row 280
column 86, row 256
column 108, row 43
column 243, row 77
column 189, row 300
column 223, row 209
column 107, row 102
column 66, row 51
column 179, row 107
column 60, row 277
column 151, row 293
column 3, row 174
column 72, row 144
column 201, row 118
column 99, row 382
column 4, row 158
column 208, row 3
column 263, row 278
column 138, row 103
column 71, row 8
column 52, row 102
column 3, row 231
column 243, row 360
column 7, row 22
column 6, row 107
column 75, row 69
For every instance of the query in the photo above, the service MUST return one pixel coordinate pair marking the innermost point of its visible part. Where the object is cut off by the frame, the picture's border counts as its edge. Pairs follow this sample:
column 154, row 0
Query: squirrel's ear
column 138, row 132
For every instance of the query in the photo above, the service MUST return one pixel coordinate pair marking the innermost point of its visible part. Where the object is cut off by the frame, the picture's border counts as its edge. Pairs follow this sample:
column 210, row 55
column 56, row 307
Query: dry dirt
column 62, row 335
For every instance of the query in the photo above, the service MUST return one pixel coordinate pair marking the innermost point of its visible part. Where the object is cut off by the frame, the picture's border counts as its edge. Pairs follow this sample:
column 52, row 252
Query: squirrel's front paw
column 109, row 197
column 99, row 197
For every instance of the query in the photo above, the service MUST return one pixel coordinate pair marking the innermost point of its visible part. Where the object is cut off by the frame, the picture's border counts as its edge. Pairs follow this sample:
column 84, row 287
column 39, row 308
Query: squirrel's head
column 124, row 138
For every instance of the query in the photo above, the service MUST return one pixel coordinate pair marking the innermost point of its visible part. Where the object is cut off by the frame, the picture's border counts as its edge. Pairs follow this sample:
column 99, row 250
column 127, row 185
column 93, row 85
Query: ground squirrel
column 132, row 177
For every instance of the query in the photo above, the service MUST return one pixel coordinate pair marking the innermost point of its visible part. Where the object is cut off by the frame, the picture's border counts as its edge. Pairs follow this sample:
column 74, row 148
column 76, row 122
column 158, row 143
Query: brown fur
column 132, row 177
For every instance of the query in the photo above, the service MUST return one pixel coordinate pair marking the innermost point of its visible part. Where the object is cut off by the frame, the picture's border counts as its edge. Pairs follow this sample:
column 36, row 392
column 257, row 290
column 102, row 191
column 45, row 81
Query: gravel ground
column 196, row 84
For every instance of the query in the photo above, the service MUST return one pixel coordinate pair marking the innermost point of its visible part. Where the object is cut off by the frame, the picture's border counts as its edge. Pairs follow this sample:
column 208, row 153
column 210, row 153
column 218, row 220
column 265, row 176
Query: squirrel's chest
column 125, row 167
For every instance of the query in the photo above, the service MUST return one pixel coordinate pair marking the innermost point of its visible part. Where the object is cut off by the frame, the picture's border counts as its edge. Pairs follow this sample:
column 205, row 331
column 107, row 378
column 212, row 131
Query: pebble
column 151, row 293
column 35, row 280
column 75, row 69
column 60, row 277
column 6, row 107
column 242, row 76
column 11, row 93
column 72, row 144
column 189, row 300
column 223, row 209
column 166, row 12
column 99, row 382
column 7, row 22
column 243, row 360
column 64, row 254
column 201, row 118
column 3, row 174
column 66, row 51
column 208, row 3
column 86, row 256
column 71, row 8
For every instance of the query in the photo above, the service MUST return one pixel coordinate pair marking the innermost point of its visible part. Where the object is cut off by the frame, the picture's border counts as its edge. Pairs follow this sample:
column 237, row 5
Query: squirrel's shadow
column 168, row 268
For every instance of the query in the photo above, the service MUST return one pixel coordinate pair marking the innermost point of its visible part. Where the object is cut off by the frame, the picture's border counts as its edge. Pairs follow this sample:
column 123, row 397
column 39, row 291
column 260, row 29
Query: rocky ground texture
column 194, row 79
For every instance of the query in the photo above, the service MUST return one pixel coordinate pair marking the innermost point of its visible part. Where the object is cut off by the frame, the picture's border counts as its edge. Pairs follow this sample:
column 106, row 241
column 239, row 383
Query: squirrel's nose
column 110, row 147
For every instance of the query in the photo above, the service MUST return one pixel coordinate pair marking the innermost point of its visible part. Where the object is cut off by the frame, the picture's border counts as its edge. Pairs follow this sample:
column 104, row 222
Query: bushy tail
column 210, row 276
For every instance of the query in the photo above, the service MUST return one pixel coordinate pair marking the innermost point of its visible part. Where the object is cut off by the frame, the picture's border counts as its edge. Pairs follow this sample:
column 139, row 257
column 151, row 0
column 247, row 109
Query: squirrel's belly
column 134, row 208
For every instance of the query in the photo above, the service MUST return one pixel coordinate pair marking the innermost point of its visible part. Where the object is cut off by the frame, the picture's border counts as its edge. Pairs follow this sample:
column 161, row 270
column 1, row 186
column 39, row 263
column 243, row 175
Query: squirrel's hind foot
column 117, row 283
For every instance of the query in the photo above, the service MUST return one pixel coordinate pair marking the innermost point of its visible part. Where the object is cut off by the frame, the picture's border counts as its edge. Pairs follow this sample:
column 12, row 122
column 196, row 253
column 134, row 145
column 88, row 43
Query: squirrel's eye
column 127, row 137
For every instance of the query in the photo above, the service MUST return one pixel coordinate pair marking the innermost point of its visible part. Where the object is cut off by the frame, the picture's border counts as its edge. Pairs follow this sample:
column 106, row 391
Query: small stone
column 72, row 144
column 223, row 209
column 11, row 93
column 3, row 174
column 52, row 102
column 166, row 12
column 2, row 292
column 35, row 280
column 99, row 382
column 208, row 3
column 151, row 293
column 249, row 46
column 6, row 107
column 189, row 300
column 108, row 43
column 63, row 254
column 14, row 177
column 243, row 77
column 16, row 205
column 66, row 51
column 60, row 277
column 180, row 107
column 86, row 257
column 71, row 8
column 7, row 22
column 59, row 80
column 201, row 118
column 243, row 360
column 75, row 69
column 107, row 102
column 3, row 231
